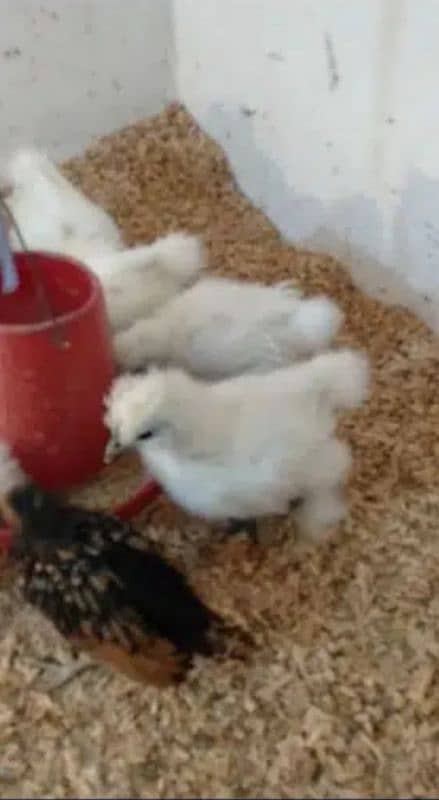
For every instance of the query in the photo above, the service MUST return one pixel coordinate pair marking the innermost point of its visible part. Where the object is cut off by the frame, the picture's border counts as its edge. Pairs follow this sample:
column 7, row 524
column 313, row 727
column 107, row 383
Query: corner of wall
column 73, row 71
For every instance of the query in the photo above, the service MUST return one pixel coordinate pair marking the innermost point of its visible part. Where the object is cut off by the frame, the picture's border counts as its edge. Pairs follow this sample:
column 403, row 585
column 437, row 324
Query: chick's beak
column 112, row 449
column 8, row 516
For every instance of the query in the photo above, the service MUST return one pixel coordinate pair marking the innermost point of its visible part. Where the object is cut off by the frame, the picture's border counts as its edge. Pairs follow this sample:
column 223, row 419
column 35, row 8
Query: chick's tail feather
column 31, row 168
column 341, row 376
column 29, row 164
column 315, row 323
column 181, row 255
column 227, row 640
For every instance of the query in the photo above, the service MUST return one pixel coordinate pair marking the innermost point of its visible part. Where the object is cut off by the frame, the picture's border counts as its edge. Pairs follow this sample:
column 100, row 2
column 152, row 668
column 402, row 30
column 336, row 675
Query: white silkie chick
column 139, row 281
column 55, row 216
column 246, row 447
column 52, row 214
column 219, row 328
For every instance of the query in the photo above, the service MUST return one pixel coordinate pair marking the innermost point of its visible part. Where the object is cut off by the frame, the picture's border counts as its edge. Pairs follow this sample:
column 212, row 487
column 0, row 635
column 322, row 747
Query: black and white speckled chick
column 107, row 591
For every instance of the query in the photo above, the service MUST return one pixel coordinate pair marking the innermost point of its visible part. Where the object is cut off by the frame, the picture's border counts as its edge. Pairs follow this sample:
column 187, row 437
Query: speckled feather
column 104, row 587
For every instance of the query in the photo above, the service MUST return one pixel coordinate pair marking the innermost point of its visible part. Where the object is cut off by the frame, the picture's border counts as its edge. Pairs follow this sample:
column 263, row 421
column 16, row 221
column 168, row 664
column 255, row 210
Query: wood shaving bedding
column 341, row 697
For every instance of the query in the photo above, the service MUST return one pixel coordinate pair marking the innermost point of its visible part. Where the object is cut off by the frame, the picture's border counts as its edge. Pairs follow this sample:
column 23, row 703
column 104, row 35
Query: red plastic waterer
column 56, row 366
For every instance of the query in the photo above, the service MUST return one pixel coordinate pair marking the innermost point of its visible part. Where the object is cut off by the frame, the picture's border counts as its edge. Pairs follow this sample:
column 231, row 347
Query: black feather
column 70, row 551
column 162, row 597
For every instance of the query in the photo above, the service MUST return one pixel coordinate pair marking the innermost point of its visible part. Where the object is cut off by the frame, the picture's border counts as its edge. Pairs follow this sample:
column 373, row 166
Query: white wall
column 327, row 109
column 329, row 114
column 74, row 69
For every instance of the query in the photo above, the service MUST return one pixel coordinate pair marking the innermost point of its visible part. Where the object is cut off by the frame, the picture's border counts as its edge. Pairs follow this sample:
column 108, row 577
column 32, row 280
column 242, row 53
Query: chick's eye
column 145, row 435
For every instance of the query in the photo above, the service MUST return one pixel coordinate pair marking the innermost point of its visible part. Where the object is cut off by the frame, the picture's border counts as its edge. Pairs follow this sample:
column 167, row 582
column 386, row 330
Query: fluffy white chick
column 219, row 328
column 246, row 447
column 52, row 214
column 55, row 216
column 137, row 282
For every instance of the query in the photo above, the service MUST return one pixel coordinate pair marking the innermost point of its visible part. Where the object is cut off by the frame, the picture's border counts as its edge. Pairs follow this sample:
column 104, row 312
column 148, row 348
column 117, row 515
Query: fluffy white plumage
column 52, row 214
column 219, row 328
column 245, row 447
column 139, row 281
column 55, row 216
